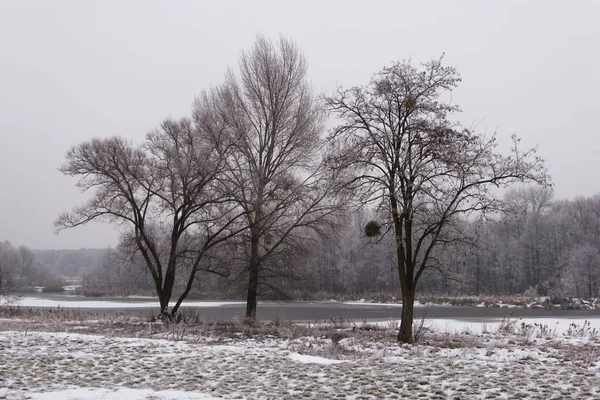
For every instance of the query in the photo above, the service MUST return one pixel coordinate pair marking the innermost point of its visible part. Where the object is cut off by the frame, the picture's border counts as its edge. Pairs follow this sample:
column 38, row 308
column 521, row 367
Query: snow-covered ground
column 575, row 326
column 512, row 360
column 550, row 326
column 90, row 393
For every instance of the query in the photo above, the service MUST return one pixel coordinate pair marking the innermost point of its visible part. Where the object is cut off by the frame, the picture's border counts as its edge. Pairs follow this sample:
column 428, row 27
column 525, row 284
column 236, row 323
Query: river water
column 299, row 311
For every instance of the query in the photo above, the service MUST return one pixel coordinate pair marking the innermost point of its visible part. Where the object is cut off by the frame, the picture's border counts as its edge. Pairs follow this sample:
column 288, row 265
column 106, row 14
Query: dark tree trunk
column 478, row 277
column 405, row 335
column 405, row 273
column 251, row 299
column 253, row 268
column 168, row 282
column 164, row 303
column 162, row 299
column 186, row 291
column 166, row 292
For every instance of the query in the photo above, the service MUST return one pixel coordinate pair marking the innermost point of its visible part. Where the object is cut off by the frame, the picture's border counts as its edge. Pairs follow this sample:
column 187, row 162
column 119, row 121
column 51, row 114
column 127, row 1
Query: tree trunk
column 164, row 304
column 188, row 288
column 478, row 277
column 251, row 299
column 253, row 267
column 162, row 298
column 405, row 335
column 405, row 273
column 166, row 292
column 169, row 281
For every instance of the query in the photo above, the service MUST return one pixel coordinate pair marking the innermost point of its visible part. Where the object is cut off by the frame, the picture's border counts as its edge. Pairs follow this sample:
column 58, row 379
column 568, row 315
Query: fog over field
column 71, row 71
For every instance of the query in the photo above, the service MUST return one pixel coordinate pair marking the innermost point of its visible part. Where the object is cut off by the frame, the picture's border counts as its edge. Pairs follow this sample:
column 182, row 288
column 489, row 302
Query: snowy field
column 514, row 359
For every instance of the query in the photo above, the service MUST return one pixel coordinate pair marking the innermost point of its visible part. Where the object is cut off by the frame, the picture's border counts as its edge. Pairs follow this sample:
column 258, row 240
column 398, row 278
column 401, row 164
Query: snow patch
column 555, row 326
column 83, row 393
column 306, row 359
column 362, row 302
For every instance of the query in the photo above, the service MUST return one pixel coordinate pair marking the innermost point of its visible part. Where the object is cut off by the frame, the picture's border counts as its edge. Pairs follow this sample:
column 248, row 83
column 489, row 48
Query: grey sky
column 72, row 70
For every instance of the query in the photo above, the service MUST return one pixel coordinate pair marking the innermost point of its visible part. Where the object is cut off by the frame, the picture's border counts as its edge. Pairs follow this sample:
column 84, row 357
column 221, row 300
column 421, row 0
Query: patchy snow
column 553, row 326
column 69, row 366
column 106, row 394
column 8, row 300
column 79, row 302
column 306, row 359
column 363, row 302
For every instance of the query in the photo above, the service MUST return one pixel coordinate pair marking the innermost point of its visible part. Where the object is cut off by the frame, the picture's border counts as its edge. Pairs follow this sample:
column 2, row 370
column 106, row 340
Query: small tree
column 424, row 171
column 166, row 194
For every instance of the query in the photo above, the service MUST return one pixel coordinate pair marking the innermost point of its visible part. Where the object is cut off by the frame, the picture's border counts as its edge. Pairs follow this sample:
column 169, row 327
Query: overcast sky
column 74, row 70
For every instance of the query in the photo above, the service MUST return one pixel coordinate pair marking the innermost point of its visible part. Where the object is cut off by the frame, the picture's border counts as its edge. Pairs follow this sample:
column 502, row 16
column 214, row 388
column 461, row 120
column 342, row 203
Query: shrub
column 53, row 289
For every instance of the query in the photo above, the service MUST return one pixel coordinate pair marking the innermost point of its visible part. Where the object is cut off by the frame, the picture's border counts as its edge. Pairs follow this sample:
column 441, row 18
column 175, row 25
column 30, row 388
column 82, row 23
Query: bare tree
column 584, row 269
column 272, row 122
column 422, row 169
column 534, row 201
column 9, row 264
column 27, row 263
column 165, row 194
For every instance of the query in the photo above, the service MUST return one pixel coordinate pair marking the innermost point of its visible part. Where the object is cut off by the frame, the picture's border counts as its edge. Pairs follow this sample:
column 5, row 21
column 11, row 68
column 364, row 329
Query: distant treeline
column 540, row 246
column 72, row 263
column 22, row 269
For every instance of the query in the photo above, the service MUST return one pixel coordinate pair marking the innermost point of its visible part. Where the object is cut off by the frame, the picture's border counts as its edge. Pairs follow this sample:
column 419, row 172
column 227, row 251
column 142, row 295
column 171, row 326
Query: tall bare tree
column 166, row 194
column 273, row 123
column 423, row 170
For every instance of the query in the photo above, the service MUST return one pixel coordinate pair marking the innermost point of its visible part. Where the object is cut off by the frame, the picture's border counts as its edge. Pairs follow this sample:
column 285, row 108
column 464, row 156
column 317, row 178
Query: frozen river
column 296, row 310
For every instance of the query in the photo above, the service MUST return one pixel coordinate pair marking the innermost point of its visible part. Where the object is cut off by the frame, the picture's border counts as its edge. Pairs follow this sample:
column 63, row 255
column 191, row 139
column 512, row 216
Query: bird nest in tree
column 372, row 229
